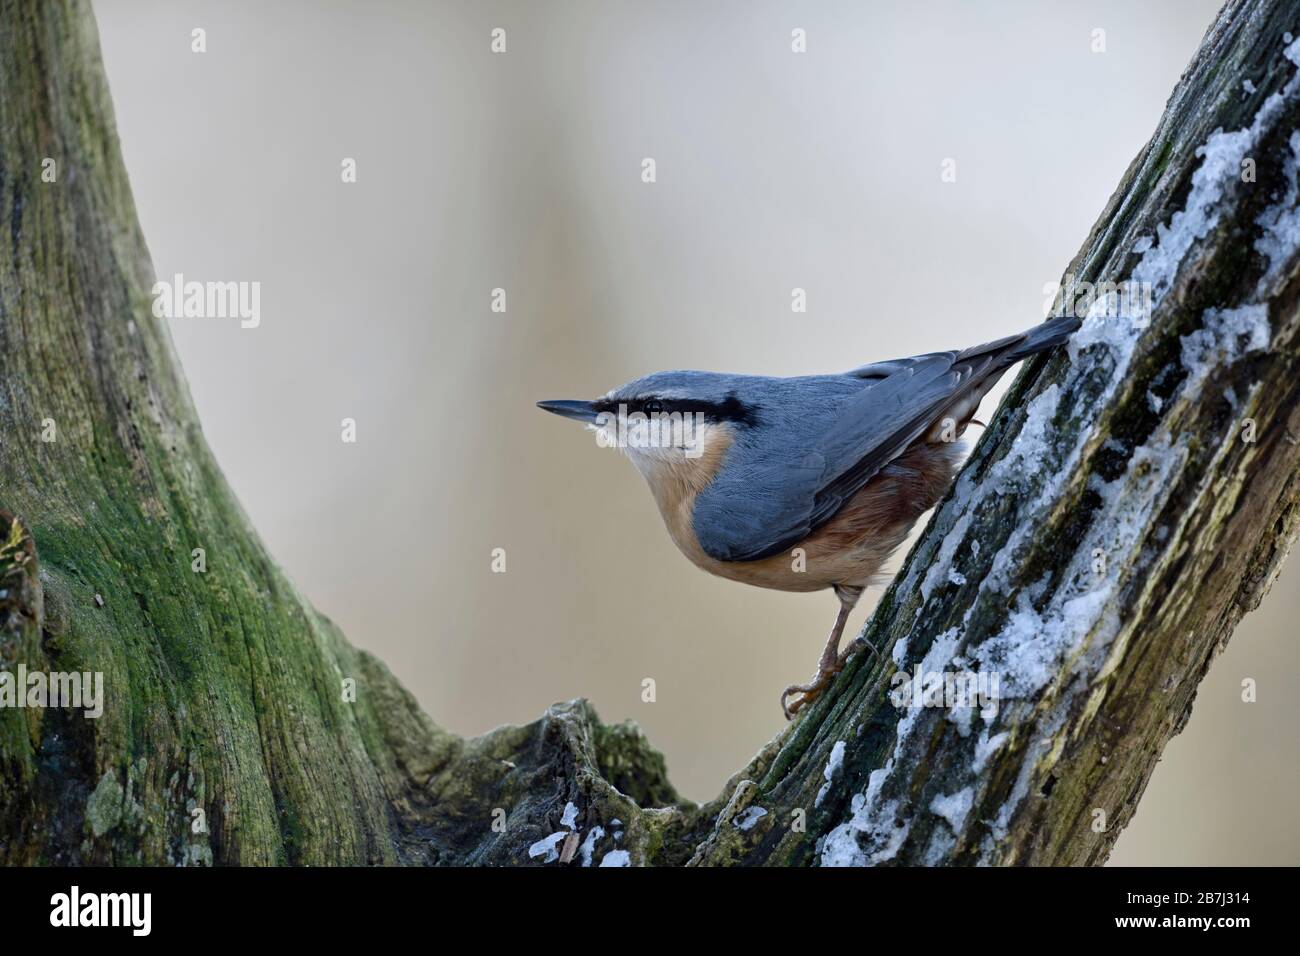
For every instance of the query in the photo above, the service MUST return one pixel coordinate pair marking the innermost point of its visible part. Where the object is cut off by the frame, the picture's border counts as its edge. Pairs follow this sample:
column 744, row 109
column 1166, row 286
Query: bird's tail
column 989, row 359
column 985, row 364
column 1007, row 352
column 1049, row 335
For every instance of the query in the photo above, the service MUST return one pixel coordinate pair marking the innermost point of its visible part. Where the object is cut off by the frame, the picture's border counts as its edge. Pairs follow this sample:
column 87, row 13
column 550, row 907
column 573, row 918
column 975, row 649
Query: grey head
column 719, row 396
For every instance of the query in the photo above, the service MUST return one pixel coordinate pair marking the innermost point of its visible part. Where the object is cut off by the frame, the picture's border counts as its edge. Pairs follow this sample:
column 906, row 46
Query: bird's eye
column 653, row 407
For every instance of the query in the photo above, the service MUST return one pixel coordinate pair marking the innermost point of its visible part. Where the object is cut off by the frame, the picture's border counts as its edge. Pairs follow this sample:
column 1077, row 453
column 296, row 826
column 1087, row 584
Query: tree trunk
column 1133, row 498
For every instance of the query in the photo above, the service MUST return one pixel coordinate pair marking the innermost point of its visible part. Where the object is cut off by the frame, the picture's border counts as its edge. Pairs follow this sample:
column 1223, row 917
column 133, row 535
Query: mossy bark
column 225, row 690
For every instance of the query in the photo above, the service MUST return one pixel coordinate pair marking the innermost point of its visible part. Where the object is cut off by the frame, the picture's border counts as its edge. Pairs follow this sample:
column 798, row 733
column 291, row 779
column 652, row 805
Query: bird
column 804, row 483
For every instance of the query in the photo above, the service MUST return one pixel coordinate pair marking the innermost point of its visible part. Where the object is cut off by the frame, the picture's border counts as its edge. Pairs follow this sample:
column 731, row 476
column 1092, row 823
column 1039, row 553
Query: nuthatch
column 804, row 483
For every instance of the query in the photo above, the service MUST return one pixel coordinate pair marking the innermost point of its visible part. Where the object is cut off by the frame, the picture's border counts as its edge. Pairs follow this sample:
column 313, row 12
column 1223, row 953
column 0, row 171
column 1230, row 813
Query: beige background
column 521, row 171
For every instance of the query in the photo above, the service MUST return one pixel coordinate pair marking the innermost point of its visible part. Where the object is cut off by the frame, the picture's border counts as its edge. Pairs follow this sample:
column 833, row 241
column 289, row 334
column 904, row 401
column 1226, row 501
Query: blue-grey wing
column 770, row 496
column 775, row 490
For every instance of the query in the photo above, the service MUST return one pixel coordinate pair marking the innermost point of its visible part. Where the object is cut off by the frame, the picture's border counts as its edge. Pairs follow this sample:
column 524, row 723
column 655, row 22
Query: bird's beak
column 578, row 411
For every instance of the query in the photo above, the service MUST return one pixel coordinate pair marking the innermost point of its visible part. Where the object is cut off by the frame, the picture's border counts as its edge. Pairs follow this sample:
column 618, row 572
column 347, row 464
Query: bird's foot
column 807, row 693
column 825, row 673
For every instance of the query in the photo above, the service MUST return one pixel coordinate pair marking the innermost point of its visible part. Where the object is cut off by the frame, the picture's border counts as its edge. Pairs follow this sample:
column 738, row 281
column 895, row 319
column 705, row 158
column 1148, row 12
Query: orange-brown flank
column 848, row 550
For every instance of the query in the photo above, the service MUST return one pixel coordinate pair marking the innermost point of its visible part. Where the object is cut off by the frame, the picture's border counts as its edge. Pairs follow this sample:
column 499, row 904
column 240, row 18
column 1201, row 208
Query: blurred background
column 522, row 171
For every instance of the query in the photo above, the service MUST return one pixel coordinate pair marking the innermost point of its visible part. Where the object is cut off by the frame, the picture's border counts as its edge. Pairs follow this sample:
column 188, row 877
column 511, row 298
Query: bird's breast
column 849, row 549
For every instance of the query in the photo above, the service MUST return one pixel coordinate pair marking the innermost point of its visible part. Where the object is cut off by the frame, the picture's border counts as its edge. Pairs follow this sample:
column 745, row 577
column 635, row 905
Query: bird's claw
column 811, row 691
column 808, row 692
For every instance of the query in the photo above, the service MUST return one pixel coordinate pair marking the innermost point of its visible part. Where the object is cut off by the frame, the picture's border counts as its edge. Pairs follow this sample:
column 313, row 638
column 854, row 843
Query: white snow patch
column 589, row 845
column 1107, row 324
column 570, row 818
column 963, row 494
column 550, row 846
column 960, row 715
column 1221, row 156
column 871, row 834
column 616, row 858
column 885, row 836
column 986, row 747
column 1281, row 223
column 1032, row 444
column 1227, row 334
column 942, row 563
column 748, row 817
column 900, row 651
column 834, row 764
column 1030, row 647
column 954, row 807
column 941, row 843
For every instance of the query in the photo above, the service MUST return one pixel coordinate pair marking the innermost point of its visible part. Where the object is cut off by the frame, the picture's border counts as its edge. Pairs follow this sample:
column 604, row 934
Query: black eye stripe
column 731, row 409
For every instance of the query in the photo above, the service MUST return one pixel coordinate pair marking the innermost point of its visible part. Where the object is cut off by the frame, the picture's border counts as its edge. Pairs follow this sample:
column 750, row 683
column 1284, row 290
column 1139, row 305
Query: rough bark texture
column 1132, row 499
